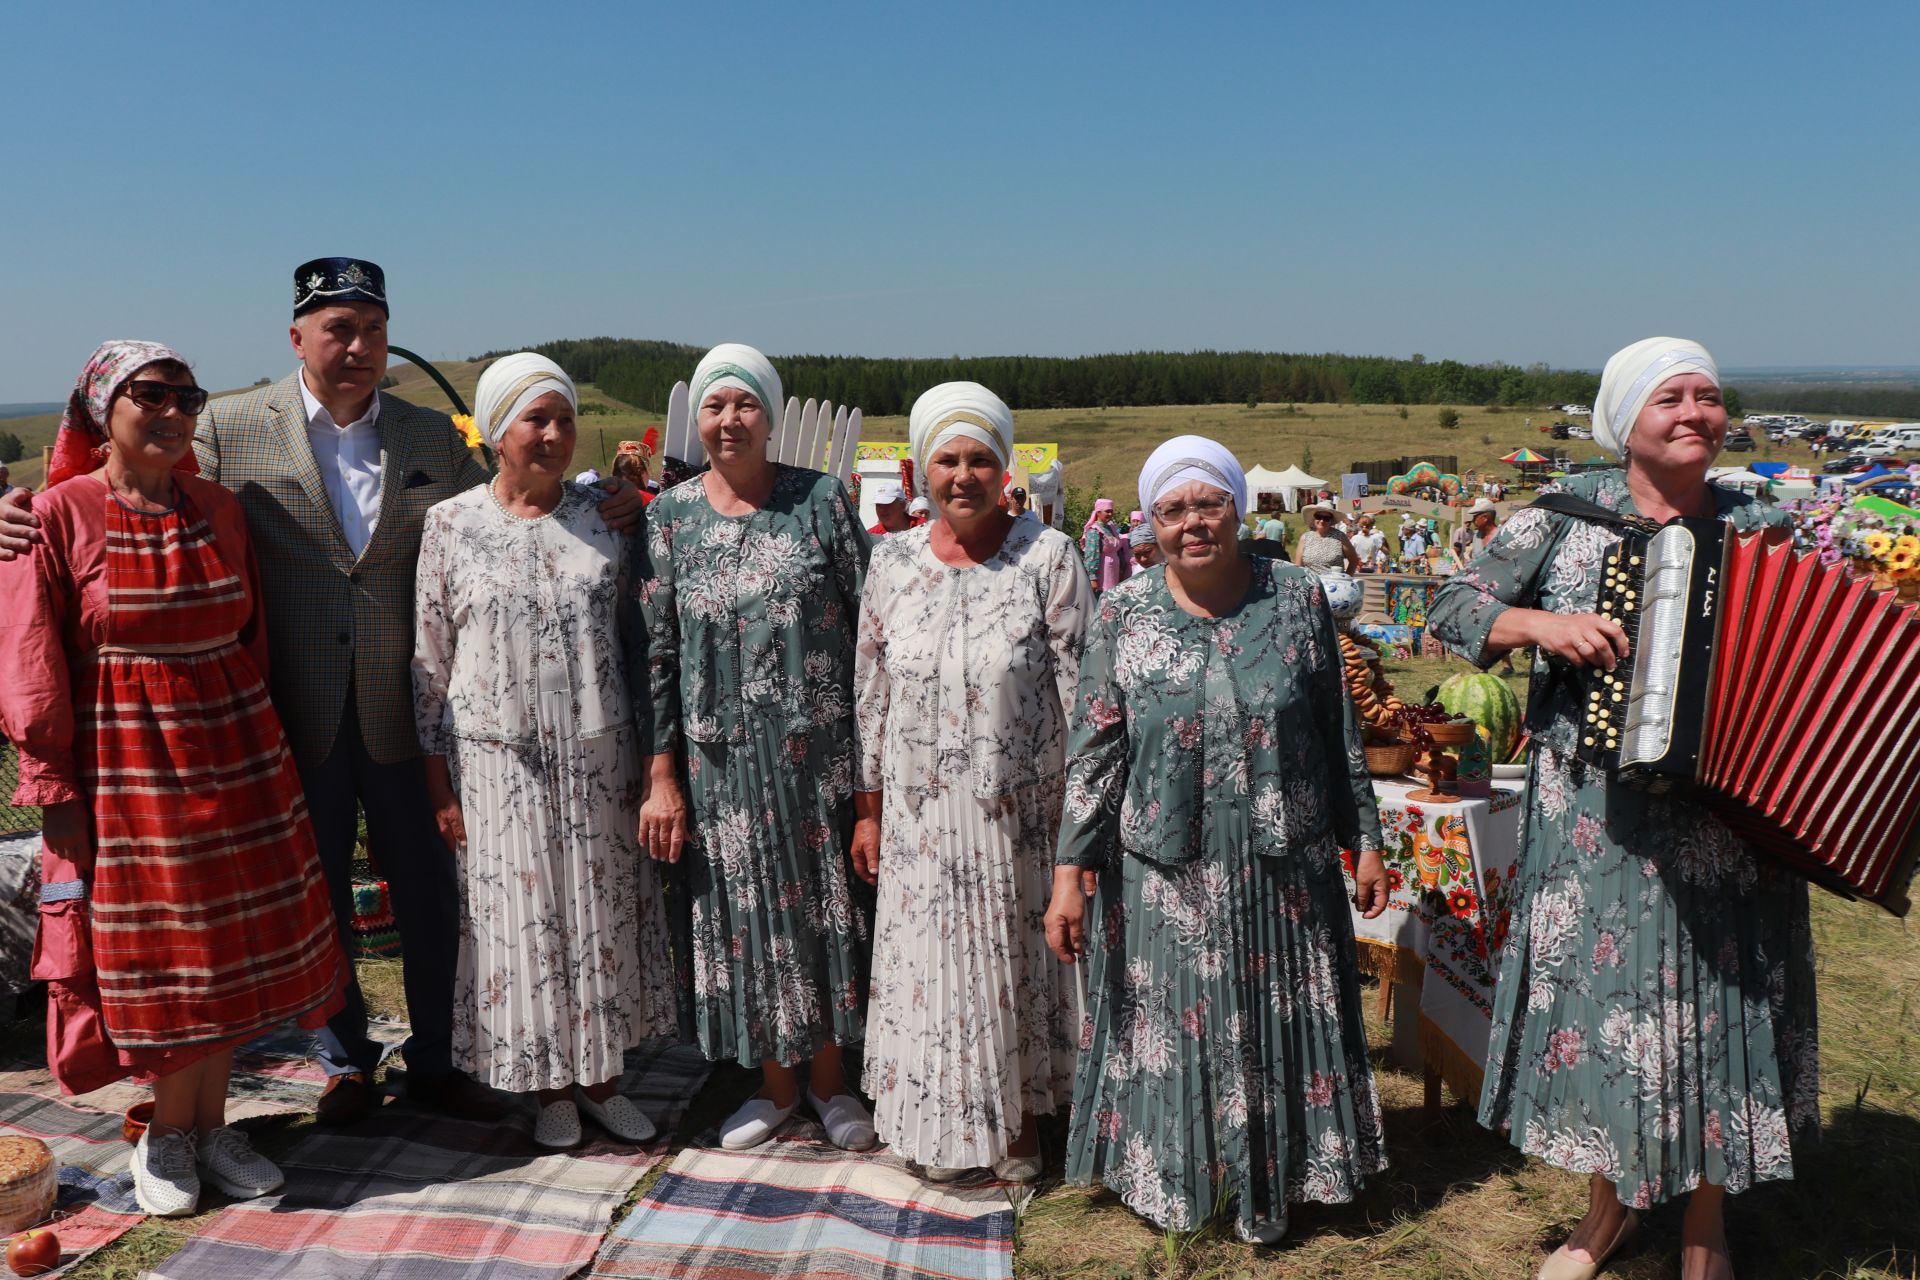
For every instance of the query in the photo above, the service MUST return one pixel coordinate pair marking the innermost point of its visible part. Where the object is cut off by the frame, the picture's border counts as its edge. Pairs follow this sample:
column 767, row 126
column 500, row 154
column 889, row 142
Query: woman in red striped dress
column 183, row 910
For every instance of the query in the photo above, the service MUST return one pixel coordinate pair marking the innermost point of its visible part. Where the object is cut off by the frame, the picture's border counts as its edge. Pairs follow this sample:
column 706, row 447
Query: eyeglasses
column 153, row 396
column 1209, row 509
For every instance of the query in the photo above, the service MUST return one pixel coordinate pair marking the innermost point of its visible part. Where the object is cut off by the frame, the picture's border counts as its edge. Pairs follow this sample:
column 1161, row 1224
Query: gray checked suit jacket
column 334, row 621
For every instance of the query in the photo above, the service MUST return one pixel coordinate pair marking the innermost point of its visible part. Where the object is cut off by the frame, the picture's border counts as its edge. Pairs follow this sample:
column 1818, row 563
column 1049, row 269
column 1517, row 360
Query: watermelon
column 1490, row 703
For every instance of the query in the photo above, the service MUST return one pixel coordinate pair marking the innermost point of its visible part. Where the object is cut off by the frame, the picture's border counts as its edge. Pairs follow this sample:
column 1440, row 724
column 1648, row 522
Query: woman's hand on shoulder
column 19, row 527
column 623, row 505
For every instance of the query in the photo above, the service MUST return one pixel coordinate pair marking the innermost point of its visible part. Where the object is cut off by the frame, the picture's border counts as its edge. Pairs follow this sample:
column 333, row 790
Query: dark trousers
column 421, row 884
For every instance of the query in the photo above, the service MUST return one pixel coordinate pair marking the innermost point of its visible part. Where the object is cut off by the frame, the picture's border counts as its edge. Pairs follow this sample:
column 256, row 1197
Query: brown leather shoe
column 458, row 1095
column 346, row 1098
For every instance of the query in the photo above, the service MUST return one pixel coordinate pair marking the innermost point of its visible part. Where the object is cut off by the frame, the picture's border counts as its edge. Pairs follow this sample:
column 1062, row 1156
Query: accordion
column 1783, row 693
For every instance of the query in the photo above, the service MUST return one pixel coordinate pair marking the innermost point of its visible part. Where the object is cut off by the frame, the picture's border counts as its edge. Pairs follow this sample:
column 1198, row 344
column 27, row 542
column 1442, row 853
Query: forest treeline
column 642, row 373
column 1842, row 402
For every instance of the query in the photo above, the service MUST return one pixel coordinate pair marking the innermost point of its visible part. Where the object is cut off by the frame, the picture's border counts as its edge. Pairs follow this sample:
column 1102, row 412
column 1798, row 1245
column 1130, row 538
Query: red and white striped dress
column 133, row 679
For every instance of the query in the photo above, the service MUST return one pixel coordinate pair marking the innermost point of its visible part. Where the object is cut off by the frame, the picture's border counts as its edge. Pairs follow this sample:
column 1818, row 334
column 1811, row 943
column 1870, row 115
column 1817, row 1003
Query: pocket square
column 418, row 478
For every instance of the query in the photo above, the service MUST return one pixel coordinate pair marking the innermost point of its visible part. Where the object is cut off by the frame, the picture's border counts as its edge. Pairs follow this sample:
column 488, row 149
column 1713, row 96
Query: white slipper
column 1018, row 1168
column 619, row 1117
column 940, row 1173
column 753, row 1123
column 849, row 1125
column 558, row 1127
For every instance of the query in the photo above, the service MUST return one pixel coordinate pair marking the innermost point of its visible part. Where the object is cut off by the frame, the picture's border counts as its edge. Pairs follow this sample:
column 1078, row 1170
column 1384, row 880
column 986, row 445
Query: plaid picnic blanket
column 800, row 1207
column 409, row 1195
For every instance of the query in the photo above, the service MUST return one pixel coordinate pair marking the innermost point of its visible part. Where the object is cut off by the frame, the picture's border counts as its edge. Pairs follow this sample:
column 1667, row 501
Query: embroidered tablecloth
column 1451, row 873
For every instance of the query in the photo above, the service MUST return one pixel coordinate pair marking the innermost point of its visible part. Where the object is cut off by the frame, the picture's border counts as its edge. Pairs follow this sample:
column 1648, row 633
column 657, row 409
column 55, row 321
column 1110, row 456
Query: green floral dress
column 750, row 630
column 1215, row 773
column 1654, row 1015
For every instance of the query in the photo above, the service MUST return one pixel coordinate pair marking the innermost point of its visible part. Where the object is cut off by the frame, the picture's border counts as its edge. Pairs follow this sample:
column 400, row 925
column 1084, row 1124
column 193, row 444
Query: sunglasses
column 153, row 396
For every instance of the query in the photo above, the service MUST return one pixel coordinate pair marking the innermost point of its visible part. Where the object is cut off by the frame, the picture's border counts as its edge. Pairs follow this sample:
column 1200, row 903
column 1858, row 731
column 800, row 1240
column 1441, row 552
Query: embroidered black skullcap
column 327, row 282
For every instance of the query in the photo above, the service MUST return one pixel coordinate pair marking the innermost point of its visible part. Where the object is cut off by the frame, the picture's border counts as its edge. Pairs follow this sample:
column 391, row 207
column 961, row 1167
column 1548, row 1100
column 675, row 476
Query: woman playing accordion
column 1654, row 1021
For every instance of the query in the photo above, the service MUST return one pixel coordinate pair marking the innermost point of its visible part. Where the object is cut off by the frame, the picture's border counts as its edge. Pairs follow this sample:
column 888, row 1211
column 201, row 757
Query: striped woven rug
column 800, row 1207
column 405, row 1194
column 95, row 1206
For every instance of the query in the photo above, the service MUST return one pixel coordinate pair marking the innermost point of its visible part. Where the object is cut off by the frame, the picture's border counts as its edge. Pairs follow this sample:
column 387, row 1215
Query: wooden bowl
column 1452, row 734
column 139, row 1116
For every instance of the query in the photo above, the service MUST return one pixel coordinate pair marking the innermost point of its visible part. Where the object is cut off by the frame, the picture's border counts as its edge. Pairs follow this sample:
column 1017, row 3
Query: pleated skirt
column 1224, row 1060
column 777, row 936
column 1654, row 1013
column 564, row 957
column 972, row 1021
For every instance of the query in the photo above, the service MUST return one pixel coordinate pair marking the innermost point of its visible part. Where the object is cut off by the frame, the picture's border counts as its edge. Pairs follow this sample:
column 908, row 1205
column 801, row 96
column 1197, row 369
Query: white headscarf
column 958, row 409
column 1185, row 458
column 1631, row 378
column 734, row 364
column 509, row 385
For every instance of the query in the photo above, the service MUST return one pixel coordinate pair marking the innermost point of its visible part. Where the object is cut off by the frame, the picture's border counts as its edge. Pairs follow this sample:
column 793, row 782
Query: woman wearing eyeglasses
column 1214, row 775
column 183, row 910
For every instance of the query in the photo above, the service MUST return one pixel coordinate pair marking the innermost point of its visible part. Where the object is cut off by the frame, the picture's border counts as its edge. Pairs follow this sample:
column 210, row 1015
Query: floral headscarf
column 81, row 446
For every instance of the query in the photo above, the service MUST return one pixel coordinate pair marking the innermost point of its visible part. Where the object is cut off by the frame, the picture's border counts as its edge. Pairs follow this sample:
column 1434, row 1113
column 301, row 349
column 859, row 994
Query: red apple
column 33, row 1253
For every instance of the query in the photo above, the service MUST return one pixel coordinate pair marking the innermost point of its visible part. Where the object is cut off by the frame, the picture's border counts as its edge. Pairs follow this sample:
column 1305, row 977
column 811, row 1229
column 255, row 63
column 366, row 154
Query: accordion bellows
column 1785, row 693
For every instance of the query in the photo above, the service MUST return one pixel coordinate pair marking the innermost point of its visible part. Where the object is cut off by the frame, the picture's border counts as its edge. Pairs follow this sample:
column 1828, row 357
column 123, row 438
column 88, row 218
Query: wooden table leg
column 1431, row 1103
column 1386, row 998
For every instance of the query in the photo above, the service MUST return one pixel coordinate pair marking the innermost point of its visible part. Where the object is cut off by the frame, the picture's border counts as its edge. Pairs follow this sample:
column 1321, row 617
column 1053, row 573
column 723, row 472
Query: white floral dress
column 524, row 643
column 962, row 681
column 1654, row 1016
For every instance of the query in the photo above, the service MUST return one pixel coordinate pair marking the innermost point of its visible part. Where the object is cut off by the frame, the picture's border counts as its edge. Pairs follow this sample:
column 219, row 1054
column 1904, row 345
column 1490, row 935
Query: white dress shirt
column 349, row 461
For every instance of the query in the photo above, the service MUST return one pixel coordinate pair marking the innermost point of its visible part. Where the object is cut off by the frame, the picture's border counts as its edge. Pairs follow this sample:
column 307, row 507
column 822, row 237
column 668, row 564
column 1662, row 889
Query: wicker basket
column 29, row 1181
column 1389, row 759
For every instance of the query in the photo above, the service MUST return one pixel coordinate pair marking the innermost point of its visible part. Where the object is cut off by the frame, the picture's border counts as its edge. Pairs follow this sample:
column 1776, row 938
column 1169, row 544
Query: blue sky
column 1484, row 182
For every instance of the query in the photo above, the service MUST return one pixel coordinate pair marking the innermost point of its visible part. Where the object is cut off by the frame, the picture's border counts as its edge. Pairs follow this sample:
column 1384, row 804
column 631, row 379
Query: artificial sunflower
column 468, row 431
column 1908, row 543
column 1902, row 558
column 1878, row 544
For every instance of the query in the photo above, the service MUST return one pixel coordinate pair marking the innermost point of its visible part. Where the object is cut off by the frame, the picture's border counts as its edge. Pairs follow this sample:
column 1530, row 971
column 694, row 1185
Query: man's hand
column 19, row 527
column 622, row 506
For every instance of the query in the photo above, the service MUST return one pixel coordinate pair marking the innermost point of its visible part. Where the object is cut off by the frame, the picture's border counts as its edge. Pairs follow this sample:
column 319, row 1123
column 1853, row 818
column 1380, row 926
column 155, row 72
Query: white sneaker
column 849, row 1125
column 1018, row 1168
column 558, row 1127
column 227, row 1160
column 753, row 1123
column 164, row 1181
column 619, row 1117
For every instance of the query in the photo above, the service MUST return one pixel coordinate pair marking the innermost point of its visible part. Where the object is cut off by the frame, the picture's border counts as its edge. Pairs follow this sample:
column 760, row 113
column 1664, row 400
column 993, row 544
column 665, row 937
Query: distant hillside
column 28, row 410
column 643, row 372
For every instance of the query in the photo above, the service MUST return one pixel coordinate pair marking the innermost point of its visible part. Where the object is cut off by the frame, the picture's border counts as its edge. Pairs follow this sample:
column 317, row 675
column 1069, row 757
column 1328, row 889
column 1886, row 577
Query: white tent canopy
column 1288, row 484
column 1736, row 478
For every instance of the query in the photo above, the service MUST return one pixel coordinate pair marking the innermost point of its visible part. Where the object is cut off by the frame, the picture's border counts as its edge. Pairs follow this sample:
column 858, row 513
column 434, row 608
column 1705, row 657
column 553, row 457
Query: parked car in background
column 1841, row 466
column 1739, row 442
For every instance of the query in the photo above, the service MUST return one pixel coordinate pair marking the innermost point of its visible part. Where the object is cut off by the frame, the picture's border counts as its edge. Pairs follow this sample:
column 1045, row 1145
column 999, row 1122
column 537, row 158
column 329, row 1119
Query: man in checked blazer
column 336, row 478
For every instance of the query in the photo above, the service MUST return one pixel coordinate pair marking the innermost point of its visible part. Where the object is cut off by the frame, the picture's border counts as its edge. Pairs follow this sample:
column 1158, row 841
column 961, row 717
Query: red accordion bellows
column 1811, row 748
